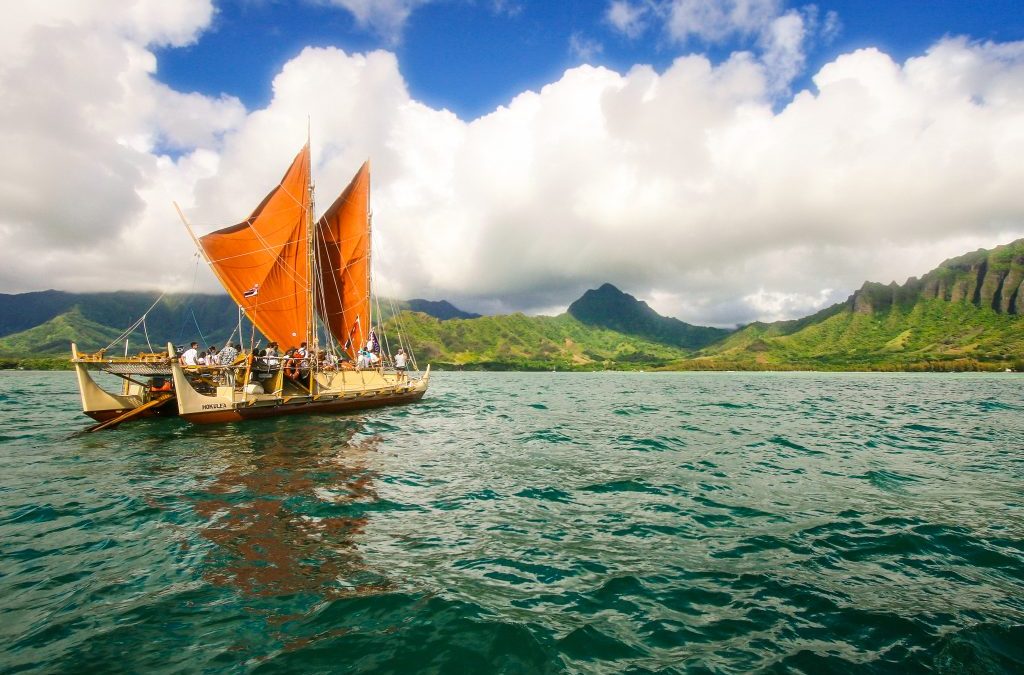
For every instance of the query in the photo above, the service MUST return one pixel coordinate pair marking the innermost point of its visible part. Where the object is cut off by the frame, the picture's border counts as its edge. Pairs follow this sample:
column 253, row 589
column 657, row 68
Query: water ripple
column 522, row 523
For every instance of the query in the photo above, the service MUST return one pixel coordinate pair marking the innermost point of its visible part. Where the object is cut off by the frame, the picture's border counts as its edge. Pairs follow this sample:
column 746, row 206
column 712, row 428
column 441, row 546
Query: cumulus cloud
column 779, row 37
column 689, row 187
column 82, row 113
column 685, row 184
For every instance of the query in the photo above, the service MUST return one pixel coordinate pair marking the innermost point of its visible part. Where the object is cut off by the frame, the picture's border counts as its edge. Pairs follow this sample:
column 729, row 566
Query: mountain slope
column 21, row 311
column 608, row 307
column 967, row 313
column 439, row 309
column 55, row 336
column 532, row 342
column 963, row 314
column 41, row 322
column 175, row 317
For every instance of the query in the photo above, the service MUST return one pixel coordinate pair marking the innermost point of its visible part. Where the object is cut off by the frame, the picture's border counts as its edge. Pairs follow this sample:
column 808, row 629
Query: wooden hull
column 102, row 405
column 334, row 392
column 305, row 407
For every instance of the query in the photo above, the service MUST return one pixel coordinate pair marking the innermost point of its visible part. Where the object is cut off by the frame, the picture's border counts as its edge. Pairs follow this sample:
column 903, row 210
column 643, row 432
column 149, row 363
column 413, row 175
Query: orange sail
column 263, row 262
column 343, row 253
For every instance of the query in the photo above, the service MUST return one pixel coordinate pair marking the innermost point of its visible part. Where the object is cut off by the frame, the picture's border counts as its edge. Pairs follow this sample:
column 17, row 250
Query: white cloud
column 776, row 305
column 779, row 37
column 386, row 17
column 717, row 21
column 782, row 46
column 831, row 27
column 81, row 116
column 141, row 21
column 627, row 17
column 584, row 48
column 685, row 187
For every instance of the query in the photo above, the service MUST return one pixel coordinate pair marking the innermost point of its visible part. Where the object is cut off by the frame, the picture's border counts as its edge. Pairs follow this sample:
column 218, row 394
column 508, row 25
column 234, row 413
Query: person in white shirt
column 400, row 363
column 191, row 355
column 273, row 358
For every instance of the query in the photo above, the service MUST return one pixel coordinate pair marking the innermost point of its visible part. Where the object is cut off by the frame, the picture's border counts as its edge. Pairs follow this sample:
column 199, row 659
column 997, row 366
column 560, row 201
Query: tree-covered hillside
column 608, row 307
column 965, row 314
column 517, row 341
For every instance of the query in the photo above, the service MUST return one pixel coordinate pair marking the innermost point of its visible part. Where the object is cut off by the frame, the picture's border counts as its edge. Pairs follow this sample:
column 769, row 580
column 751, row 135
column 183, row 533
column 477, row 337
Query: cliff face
column 986, row 279
column 966, row 313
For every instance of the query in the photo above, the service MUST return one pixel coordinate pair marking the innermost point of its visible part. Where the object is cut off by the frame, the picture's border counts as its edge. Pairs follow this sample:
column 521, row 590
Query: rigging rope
column 399, row 324
column 196, row 321
column 146, row 331
column 135, row 325
column 184, row 319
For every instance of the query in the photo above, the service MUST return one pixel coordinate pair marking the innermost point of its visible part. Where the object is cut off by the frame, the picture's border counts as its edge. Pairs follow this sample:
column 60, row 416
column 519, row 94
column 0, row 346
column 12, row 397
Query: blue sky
column 470, row 56
column 725, row 160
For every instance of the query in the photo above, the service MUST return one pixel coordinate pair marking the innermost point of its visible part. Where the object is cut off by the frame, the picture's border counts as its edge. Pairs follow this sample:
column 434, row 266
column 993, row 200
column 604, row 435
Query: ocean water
column 527, row 523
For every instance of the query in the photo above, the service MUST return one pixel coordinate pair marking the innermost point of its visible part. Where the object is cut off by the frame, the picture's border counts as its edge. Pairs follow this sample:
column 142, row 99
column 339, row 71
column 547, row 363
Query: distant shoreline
column 43, row 364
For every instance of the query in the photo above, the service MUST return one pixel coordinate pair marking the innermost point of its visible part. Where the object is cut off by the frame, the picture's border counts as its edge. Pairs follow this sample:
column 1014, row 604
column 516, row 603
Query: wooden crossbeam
column 134, row 412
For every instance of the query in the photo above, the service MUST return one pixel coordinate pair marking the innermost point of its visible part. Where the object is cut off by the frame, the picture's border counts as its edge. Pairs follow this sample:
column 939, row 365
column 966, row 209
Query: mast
column 369, row 253
column 312, row 272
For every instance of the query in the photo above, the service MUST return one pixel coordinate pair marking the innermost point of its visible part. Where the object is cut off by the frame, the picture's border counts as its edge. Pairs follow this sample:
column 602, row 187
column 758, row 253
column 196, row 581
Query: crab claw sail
column 262, row 262
column 343, row 253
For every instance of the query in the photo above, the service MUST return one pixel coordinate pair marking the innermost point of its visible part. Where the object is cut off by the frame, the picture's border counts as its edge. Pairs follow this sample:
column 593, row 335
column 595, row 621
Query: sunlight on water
column 527, row 523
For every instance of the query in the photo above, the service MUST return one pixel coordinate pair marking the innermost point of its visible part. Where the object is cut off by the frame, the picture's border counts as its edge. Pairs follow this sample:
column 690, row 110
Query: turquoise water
column 520, row 523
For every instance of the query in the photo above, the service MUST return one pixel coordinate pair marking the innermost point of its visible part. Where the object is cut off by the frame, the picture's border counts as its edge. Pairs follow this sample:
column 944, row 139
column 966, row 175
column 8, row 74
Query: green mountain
column 516, row 341
column 968, row 313
column 513, row 341
column 608, row 307
column 177, row 317
column 605, row 328
column 44, row 323
column 439, row 309
column 965, row 314
column 55, row 336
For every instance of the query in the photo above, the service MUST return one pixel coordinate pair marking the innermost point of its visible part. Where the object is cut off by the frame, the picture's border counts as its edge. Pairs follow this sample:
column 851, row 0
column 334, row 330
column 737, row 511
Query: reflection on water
column 282, row 516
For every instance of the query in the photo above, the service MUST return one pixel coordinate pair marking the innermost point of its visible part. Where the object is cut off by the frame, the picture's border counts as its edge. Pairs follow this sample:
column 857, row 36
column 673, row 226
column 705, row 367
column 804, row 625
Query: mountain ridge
column 967, row 313
column 439, row 309
column 608, row 307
